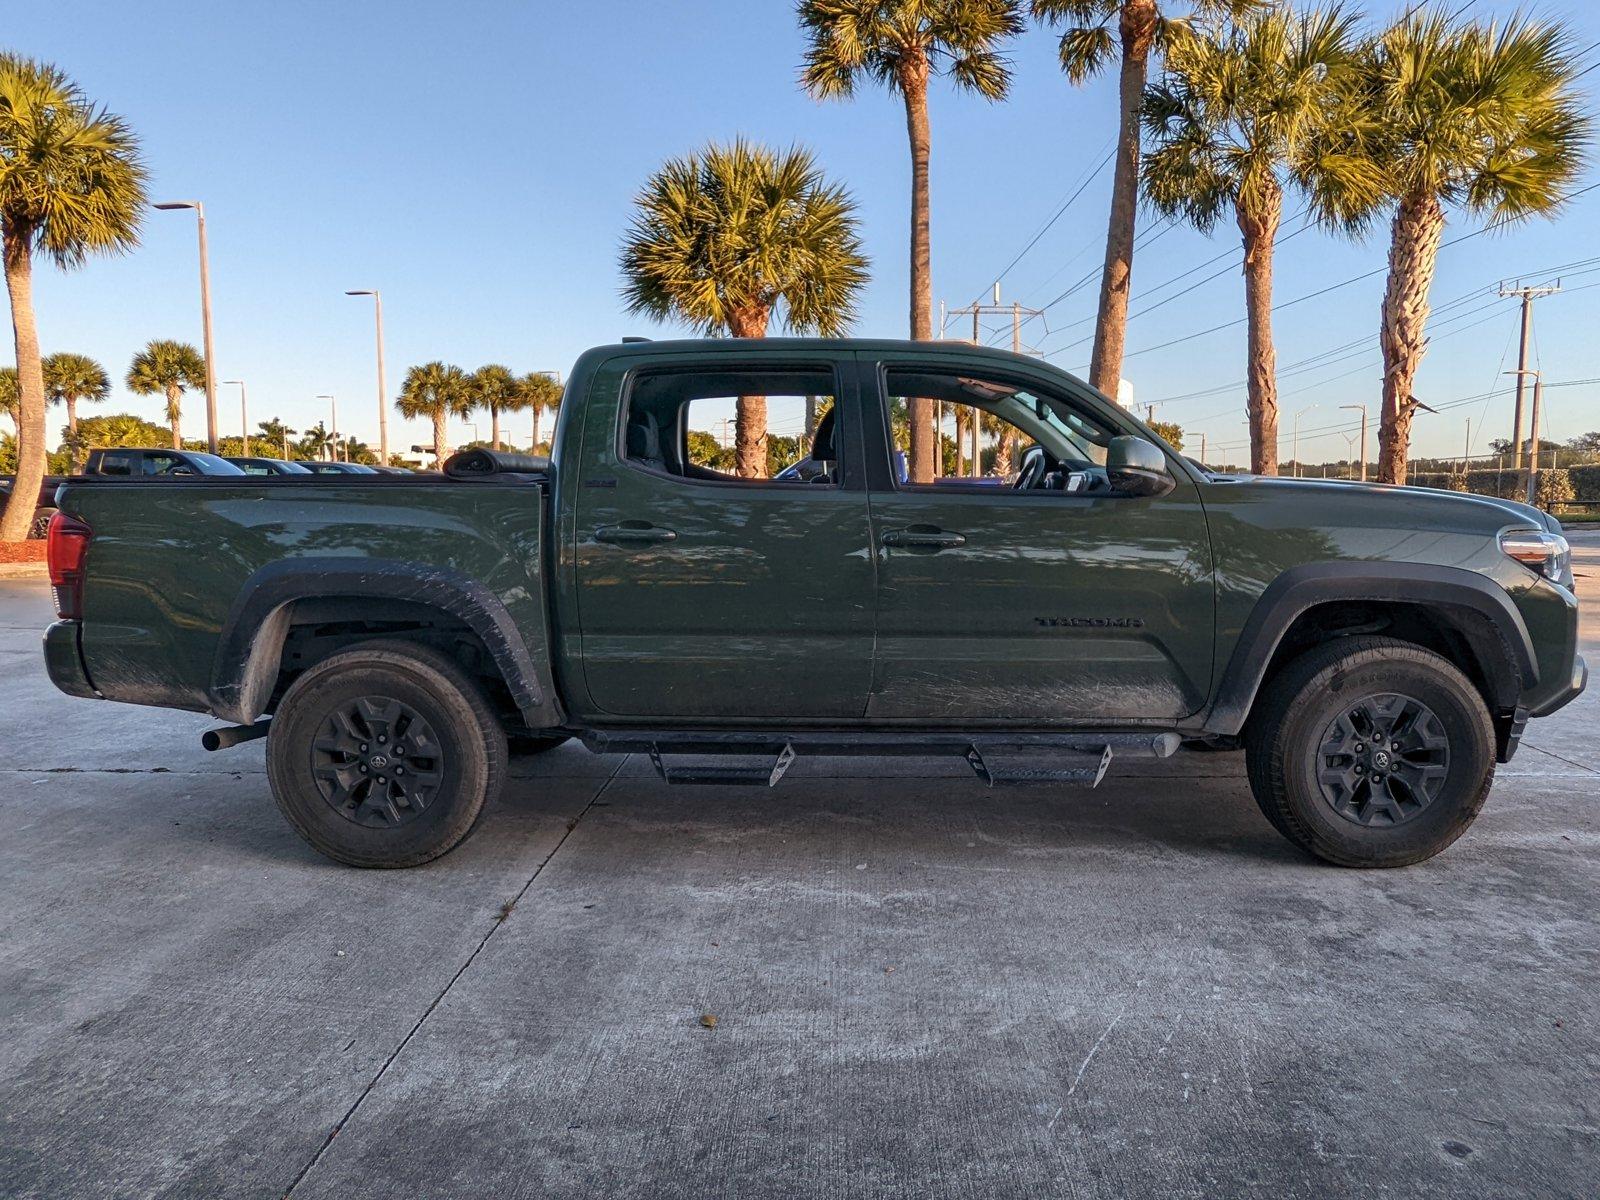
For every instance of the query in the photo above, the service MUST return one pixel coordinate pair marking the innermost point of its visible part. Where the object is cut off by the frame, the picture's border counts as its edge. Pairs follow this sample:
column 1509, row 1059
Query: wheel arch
column 248, row 665
column 1460, row 614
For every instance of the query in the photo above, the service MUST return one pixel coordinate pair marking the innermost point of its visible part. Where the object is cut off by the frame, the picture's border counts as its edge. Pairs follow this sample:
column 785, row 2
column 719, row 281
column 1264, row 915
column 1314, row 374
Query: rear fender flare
column 1472, row 604
column 250, row 648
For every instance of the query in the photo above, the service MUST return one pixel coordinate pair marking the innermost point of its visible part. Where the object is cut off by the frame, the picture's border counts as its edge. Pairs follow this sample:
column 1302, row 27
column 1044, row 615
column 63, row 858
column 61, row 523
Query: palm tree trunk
column 18, row 516
column 1138, row 28
column 914, row 87
column 1258, row 223
column 1413, row 251
column 439, row 431
column 750, row 415
column 72, row 433
column 175, row 414
column 494, row 426
column 534, row 449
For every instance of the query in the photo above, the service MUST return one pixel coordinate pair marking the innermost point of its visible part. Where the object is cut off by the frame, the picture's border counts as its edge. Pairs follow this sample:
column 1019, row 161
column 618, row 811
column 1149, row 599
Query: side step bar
column 1077, row 759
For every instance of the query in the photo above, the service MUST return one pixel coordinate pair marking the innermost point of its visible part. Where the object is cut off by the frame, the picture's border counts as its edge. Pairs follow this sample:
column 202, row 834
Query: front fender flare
column 1473, row 604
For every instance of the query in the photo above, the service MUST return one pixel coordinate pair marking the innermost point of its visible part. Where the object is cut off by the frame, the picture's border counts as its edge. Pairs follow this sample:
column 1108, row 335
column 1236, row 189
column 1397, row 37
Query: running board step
column 1077, row 769
column 1079, row 765
column 738, row 776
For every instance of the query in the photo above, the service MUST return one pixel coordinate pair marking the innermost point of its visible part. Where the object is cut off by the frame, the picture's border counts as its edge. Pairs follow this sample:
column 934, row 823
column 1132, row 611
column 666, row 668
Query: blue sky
column 477, row 162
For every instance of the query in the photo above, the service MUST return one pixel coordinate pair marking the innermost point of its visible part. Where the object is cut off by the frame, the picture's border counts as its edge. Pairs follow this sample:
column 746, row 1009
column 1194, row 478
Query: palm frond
column 72, row 182
column 162, row 365
column 742, row 228
column 74, row 377
column 887, row 42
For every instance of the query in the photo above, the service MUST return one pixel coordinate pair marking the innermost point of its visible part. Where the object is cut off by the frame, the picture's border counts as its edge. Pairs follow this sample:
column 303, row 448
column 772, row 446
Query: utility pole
column 1527, row 296
column 1533, row 434
column 976, row 311
column 1202, row 449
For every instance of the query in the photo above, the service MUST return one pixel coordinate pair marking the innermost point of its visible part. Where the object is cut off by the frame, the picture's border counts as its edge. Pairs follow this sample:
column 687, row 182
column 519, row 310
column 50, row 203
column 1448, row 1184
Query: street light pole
column 1363, row 409
column 205, row 316
column 244, row 416
column 1295, row 443
column 333, row 427
column 383, row 407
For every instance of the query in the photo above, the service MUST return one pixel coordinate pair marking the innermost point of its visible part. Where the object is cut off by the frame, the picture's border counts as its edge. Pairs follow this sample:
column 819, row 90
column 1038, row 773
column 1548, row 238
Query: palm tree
column 439, row 391
column 69, row 378
column 71, row 185
column 1242, row 112
column 1087, row 45
column 276, row 433
column 8, row 397
column 316, row 442
column 170, row 369
column 495, row 388
column 725, row 238
column 1486, row 117
column 901, row 44
column 540, row 393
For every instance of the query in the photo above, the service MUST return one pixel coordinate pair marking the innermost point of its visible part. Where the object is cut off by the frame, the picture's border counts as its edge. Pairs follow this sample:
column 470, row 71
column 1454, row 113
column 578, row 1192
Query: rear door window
column 742, row 426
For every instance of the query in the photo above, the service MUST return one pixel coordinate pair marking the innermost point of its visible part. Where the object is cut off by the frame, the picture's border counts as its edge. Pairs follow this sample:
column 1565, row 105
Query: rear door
column 704, row 594
column 1028, row 606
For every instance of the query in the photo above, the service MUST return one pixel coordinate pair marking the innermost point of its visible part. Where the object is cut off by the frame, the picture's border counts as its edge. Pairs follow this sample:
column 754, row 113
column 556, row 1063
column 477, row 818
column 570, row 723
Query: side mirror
column 1136, row 467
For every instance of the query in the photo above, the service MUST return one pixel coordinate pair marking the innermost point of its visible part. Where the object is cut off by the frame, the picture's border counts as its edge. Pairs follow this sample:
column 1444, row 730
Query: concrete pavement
column 921, row 987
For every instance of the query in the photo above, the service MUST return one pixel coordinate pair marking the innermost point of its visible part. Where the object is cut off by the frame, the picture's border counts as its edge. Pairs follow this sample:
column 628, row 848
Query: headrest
column 644, row 436
column 822, row 447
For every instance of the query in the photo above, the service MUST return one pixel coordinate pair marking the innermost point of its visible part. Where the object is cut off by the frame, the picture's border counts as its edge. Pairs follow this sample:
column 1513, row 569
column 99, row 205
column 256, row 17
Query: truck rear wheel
column 1370, row 752
column 384, row 755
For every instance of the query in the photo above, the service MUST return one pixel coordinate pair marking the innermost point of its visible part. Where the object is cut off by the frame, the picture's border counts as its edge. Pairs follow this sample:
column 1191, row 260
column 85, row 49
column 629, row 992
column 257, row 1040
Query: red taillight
column 67, row 551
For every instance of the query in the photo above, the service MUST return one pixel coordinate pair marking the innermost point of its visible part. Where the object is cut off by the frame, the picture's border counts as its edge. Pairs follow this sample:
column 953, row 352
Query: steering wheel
column 1034, row 466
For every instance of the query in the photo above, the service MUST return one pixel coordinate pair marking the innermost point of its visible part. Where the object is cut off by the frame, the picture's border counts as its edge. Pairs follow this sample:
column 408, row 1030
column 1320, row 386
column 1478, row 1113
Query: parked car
column 142, row 461
column 1375, row 650
column 47, row 489
column 269, row 466
column 339, row 468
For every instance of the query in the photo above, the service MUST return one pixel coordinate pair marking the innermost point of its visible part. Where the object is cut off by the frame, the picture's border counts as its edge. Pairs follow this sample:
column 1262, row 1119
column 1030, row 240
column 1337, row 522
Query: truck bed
column 180, row 570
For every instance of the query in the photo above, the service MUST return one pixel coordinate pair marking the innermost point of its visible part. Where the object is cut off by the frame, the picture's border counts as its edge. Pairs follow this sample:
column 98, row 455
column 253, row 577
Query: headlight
column 1546, row 553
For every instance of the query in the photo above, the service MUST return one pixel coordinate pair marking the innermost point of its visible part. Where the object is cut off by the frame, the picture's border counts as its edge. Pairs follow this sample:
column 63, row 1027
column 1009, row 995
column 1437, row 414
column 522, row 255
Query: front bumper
column 1580, row 680
column 64, row 661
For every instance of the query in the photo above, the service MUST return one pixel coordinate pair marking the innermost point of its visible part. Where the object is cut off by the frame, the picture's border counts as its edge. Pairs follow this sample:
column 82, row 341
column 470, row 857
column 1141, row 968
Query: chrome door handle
column 628, row 532
column 936, row 539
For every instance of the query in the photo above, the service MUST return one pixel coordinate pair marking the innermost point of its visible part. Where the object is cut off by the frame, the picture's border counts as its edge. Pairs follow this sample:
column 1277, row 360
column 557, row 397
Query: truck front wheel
column 384, row 755
column 1370, row 752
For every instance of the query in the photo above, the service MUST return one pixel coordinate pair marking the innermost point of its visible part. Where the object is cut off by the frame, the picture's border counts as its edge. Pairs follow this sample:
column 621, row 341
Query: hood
column 1477, row 505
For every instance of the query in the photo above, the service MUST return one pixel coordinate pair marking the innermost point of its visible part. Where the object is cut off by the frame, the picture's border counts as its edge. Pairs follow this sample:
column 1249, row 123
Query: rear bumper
column 1575, row 686
column 64, row 661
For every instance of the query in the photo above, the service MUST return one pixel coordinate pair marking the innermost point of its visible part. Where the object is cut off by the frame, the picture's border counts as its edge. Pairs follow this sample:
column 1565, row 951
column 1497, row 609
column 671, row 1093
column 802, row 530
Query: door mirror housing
column 1136, row 467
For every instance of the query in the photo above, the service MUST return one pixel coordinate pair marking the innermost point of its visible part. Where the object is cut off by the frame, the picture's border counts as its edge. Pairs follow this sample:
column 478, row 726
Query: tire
column 522, row 745
column 328, row 727
column 1338, row 792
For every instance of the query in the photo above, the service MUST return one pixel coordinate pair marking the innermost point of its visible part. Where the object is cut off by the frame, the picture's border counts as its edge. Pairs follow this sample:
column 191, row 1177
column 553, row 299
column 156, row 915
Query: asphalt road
column 922, row 988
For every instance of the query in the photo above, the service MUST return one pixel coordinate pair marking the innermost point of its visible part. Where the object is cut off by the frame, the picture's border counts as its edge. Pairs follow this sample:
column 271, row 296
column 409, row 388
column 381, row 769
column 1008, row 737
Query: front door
column 721, row 589
column 1052, row 602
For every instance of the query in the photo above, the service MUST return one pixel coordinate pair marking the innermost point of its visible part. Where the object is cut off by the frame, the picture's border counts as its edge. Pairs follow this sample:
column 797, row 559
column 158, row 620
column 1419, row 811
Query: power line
column 1045, row 228
column 1332, row 287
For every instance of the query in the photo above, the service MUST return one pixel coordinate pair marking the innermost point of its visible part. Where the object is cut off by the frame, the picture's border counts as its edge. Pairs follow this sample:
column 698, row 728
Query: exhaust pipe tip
column 233, row 735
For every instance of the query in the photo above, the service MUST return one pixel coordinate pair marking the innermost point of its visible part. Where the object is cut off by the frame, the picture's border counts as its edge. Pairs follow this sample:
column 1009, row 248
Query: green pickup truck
column 1065, row 590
